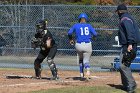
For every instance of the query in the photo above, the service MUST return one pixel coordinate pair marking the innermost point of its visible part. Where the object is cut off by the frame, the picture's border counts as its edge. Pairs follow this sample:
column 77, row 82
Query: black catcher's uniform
column 40, row 40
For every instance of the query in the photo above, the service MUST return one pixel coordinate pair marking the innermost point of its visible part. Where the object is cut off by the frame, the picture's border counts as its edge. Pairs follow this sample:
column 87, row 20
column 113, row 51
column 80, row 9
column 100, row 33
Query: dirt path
column 67, row 79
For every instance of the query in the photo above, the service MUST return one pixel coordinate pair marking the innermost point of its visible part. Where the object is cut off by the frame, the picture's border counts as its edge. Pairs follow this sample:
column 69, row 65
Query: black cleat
column 55, row 78
column 38, row 73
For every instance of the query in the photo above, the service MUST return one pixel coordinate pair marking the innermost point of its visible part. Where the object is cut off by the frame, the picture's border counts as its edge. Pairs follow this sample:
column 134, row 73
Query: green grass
column 87, row 89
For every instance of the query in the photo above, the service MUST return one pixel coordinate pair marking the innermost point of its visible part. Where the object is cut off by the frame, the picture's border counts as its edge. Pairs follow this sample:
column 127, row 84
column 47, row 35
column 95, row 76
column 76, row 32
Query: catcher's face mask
column 40, row 26
column 40, row 31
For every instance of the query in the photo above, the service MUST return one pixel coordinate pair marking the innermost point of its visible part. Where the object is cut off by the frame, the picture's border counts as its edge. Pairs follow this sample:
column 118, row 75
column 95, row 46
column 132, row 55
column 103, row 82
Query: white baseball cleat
column 87, row 76
column 81, row 75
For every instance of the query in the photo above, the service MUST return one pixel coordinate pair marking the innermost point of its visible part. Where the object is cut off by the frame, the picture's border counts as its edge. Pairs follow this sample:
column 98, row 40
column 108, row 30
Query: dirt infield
column 68, row 78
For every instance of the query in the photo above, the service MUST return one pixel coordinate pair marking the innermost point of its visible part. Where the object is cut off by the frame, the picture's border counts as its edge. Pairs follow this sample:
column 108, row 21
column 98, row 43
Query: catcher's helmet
column 83, row 15
column 40, row 24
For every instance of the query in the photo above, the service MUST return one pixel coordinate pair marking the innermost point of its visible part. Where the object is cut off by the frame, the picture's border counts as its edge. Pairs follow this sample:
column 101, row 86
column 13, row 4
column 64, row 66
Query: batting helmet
column 83, row 15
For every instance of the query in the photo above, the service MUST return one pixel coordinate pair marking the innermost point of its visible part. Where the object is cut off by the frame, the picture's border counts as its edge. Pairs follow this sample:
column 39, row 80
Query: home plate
column 100, row 77
column 18, row 76
column 95, row 77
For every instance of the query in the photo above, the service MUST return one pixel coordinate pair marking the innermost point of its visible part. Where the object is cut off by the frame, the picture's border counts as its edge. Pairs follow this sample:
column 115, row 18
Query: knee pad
column 51, row 63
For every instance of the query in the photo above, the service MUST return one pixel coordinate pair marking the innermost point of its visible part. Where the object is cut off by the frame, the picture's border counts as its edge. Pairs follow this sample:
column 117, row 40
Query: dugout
column 135, row 65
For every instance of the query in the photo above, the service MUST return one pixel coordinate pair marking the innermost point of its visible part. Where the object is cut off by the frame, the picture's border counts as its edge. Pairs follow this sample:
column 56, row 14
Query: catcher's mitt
column 36, row 42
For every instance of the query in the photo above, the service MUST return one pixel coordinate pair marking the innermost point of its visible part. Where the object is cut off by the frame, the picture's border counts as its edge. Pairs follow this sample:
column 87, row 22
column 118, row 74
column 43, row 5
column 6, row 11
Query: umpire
column 128, row 37
column 48, row 48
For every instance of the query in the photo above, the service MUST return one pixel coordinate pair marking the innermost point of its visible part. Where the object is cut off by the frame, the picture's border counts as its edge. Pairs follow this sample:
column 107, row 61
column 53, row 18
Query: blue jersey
column 83, row 32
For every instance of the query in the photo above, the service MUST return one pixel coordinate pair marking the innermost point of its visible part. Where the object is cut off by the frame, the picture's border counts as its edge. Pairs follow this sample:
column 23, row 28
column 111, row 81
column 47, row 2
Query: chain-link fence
column 17, row 27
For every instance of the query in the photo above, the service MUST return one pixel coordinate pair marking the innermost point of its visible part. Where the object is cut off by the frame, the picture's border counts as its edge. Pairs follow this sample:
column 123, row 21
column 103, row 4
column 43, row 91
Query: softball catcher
column 48, row 48
column 83, row 44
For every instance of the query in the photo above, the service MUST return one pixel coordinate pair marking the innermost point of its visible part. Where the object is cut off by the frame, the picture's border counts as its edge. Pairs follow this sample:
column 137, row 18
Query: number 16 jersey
column 83, row 32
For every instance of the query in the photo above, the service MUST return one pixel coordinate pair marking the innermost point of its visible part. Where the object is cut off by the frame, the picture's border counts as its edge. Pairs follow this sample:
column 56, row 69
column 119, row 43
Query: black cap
column 121, row 7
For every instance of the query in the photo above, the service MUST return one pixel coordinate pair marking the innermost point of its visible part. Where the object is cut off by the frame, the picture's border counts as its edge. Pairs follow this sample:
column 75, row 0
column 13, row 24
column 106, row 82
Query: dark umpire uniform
column 128, row 38
column 41, row 39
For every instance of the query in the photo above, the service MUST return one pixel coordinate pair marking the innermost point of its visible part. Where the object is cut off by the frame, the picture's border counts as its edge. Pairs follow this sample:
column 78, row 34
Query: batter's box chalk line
column 100, row 77
column 92, row 77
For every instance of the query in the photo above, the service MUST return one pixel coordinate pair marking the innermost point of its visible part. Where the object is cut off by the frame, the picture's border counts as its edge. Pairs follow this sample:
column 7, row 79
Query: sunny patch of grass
column 97, row 89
